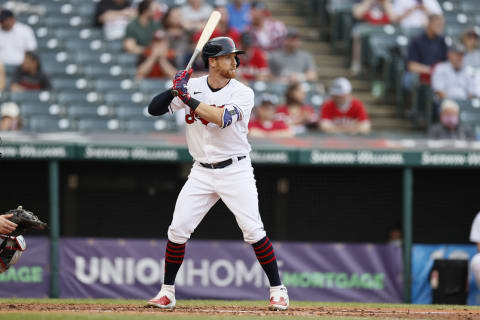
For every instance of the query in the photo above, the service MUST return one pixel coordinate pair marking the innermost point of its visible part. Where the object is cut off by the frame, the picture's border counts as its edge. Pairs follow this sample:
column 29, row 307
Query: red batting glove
column 180, row 84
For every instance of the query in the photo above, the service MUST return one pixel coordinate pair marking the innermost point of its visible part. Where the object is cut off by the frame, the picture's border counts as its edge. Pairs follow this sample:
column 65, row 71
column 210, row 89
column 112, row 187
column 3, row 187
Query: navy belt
column 220, row 165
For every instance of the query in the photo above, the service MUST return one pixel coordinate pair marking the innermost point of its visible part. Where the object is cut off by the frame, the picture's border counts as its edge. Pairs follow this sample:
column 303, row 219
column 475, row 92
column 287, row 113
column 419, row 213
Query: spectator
column 449, row 127
column 113, row 16
column 254, row 63
column 343, row 113
column 414, row 13
column 265, row 123
column 291, row 64
column 29, row 75
column 475, row 238
column 177, row 36
column 425, row 51
column 16, row 38
column 239, row 12
column 268, row 33
column 222, row 30
column 195, row 14
column 369, row 12
column 140, row 31
column 298, row 115
column 470, row 41
column 9, row 117
column 154, row 62
column 3, row 77
column 450, row 79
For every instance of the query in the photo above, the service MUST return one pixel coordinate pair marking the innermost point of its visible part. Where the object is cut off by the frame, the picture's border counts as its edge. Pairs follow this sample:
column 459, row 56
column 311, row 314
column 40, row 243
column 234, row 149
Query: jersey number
column 191, row 117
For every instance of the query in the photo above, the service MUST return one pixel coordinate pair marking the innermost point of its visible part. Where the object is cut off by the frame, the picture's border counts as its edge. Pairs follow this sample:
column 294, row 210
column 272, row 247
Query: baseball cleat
column 165, row 299
column 278, row 298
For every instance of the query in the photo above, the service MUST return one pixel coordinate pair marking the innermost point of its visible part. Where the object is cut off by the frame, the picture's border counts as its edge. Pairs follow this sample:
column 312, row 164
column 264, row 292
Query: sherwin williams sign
column 29, row 277
column 104, row 268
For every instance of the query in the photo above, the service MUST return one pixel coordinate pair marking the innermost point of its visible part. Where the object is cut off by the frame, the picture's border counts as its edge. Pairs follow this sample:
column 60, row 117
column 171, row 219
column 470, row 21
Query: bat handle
column 174, row 92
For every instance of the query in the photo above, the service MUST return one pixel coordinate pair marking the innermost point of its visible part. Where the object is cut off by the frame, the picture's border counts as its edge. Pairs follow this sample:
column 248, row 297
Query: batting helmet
column 219, row 46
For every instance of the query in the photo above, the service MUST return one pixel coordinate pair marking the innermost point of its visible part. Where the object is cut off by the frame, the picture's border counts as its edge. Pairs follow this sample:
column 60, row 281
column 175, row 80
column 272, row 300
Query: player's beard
column 228, row 73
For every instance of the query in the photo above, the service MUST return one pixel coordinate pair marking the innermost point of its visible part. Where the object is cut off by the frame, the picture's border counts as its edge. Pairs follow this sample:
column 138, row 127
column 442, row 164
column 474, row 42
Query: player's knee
column 475, row 267
column 178, row 235
column 253, row 236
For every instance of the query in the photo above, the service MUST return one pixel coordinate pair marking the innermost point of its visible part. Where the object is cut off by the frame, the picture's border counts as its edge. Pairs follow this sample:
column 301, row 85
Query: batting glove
column 180, row 84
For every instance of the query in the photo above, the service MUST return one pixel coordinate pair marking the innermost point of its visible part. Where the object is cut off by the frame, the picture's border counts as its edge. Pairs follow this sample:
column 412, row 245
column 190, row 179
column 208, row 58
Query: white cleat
column 165, row 299
column 278, row 298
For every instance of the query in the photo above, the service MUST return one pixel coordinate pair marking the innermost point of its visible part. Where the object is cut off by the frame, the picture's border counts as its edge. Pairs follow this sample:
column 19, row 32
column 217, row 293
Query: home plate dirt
column 333, row 311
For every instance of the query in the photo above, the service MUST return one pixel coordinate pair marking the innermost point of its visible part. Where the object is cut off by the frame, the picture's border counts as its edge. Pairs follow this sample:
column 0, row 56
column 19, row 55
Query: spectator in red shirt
column 343, row 113
column 368, row 12
column 29, row 75
column 265, row 123
column 155, row 63
column 254, row 63
column 222, row 30
column 298, row 115
column 268, row 33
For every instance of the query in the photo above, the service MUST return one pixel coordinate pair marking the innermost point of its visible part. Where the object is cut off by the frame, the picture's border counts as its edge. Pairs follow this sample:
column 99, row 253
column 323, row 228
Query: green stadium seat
column 106, row 85
column 130, row 111
column 470, row 6
column 75, row 96
column 30, row 96
column 127, row 59
column 49, row 44
column 70, row 84
column 48, row 124
column 153, row 85
column 121, row 97
column 55, row 69
column 470, row 106
column 99, row 125
column 149, row 125
column 30, row 109
column 83, row 45
column 85, row 110
column 114, row 45
column 100, row 71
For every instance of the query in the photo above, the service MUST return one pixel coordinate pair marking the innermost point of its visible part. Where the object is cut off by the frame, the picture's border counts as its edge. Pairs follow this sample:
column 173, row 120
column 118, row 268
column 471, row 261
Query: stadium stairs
column 331, row 65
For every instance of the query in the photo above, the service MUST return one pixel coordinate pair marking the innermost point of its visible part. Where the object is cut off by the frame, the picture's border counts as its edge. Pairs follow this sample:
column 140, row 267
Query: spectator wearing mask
column 449, row 126
column 195, row 14
column 298, row 115
column 29, row 75
column 155, row 61
column 425, row 51
column 113, row 16
column 475, row 238
column 368, row 12
column 470, row 41
column 291, row 64
column 10, row 117
column 16, row 38
column 140, row 31
column 178, row 38
column 265, row 124
column 450, row 80
column 268, row 33
column 343, row 113
column 254, row 63
column 413, row 14
column 239, row 12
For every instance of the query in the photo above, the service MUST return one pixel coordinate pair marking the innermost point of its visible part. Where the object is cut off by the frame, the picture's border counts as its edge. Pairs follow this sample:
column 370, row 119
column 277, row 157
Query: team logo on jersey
column 192, row 116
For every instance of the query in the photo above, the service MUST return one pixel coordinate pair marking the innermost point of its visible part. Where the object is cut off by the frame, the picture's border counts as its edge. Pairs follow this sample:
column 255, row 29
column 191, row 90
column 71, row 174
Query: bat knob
column 174, row 92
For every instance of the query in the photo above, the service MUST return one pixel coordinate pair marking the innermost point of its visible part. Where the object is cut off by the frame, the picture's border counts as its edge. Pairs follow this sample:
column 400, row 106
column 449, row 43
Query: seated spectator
column 265, row 124
column 470, row 41
column 424, row 52
column 178, row 39
column 268, row 33
column 239, row 13
column 254, row 63
column 9, row 117
column 16, row 38
column 475, row 238
column 195, row 14
column 368, row 12
column 29, row 75
column 343, row 113
column 450, row 80
column 3, row 77
column 113, row 16
column 140, row 31
column 222, row 30
column 291, row 64
column 154, row 62
column 298, row 115
column 415, row 13
column 449, row 126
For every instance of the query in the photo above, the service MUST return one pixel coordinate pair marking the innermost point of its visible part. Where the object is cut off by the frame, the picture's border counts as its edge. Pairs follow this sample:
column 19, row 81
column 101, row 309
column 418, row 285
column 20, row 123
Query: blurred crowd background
column 345, row 67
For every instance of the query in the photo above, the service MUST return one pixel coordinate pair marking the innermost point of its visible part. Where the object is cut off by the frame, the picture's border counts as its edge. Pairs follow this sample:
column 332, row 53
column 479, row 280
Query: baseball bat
column 204, row 37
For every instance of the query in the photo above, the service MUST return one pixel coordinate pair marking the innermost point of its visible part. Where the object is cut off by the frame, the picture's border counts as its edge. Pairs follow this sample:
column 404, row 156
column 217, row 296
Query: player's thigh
column 238, row 191
column 194, row 201
column 475, row 267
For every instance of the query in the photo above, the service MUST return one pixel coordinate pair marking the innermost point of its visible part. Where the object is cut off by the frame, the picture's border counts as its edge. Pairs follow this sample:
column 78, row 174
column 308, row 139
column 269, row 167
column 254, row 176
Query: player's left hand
column 180, row 84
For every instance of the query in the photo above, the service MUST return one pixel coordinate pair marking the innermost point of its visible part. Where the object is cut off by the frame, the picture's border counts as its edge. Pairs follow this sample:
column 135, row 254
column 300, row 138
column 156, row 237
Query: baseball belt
column 220, row 165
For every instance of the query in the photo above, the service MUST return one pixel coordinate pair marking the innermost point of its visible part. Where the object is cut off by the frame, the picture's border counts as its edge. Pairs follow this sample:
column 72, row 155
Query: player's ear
column 212, row 61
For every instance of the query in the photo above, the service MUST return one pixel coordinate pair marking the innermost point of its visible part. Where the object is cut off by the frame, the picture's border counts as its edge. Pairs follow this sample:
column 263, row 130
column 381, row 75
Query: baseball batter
column 217, row 109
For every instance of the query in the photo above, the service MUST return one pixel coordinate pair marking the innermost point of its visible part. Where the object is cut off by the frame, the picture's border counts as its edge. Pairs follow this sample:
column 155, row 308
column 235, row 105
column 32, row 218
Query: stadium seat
column 131, row 111
column 75, row 96
column 153, row 85
column 83, row 45
column 106, row 85
column 85, row 110
column 470, row 106
column 93, row 125
column 127, row 59
column 148, row 125
column 470, row 6
column 103, row 71
column 54, row 69
column 48, row 124
column 49, row 44
column 31, row 96
column 29, row 109
column 114, row 45
column 121, row 97
column 70, row 84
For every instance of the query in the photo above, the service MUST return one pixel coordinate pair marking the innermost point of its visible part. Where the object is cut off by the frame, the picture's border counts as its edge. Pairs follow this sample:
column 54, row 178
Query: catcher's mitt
column 25, row 220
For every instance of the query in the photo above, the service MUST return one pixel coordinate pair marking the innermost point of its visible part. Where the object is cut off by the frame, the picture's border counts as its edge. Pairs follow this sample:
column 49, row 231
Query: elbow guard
column 230, row 115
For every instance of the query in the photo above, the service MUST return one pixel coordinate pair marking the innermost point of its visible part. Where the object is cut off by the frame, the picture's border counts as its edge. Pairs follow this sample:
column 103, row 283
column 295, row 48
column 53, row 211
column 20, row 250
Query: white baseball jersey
column 475, row 231
column 207, row 142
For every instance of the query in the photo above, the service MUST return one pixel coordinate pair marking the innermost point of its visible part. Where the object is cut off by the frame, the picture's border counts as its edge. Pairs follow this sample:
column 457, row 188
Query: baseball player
column 217, row 111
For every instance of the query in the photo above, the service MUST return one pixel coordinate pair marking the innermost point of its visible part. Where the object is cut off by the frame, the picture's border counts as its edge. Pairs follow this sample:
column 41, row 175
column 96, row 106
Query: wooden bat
column 204, row 37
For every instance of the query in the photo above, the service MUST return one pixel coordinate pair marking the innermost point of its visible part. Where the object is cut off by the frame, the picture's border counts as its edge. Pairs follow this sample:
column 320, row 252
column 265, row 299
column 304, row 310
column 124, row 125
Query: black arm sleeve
column 160, row 103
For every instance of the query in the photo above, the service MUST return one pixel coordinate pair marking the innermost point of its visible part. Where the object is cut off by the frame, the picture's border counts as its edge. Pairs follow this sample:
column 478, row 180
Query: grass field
column 81, row 309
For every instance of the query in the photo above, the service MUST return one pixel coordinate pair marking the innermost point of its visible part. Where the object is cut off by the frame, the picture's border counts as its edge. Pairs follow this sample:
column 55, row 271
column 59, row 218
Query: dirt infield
column 358, row 312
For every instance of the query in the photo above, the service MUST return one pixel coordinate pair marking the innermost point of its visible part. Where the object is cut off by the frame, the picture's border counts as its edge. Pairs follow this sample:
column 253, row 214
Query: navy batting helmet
column 219, row 46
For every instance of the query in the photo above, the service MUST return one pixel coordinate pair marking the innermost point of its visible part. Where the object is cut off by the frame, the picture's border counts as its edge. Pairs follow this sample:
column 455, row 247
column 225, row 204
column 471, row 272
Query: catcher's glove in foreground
column 25, row 220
